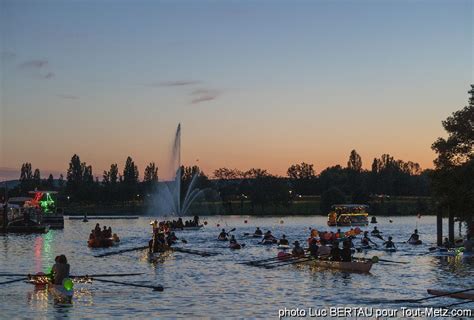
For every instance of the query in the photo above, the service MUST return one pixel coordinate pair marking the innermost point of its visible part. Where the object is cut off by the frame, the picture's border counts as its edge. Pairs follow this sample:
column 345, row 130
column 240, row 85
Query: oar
column 391, row 261
column 200, row 253
column 258, row 261
column 11, row 281
column 155, row 288
column 107, row 275
column 120, row 251
column 433, row 296
column 300, row 260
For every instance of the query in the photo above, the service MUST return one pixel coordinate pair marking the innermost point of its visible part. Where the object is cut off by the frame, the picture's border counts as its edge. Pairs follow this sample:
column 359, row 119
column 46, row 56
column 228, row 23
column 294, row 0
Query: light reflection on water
column 217, row 286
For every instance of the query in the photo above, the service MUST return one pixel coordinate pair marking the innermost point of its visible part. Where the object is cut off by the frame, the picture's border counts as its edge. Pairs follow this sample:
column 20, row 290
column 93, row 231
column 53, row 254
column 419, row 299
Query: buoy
column 218, row 225
column 281, row 222
column 245, row 221
column 205, row 223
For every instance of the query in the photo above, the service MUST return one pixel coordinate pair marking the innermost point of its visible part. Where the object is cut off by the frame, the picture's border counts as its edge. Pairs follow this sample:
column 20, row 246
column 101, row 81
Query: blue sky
column 254, row 83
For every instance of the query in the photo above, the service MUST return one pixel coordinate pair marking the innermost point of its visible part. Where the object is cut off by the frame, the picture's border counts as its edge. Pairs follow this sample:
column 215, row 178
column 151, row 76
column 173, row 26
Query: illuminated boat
column 348, row 215
column 362, row 266
column 51, row 214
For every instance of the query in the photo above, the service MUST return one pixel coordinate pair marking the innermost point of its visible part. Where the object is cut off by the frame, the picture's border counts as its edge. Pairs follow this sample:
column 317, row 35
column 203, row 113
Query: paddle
column 391, row 261
column 297, row 260
column 155, row 288
column 12, row 281
column 258, row 261
column 72, row 276
column 120, row 251
column 196, row 252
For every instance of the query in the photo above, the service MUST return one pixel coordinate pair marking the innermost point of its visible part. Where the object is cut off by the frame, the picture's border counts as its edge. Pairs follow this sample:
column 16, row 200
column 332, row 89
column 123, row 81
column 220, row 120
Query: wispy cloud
column 202, row 95
column 7, row 55
column 48, row 75
column 67, row 96
column 33, row 64
column 179, row 83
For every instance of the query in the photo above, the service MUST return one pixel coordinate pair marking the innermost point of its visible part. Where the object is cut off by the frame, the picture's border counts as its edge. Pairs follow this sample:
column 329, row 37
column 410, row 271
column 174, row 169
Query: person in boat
column 346, row 252
column 340, row 234
column 365, row 241
column 179, row 223
column 116, row 237
column 232, row 240
column 60, row 269
column 335, row 251
column 313, row 248
column 258, row 232
column 222, row 235
column 447, row 244
column 269, row 237
column 171, row 239
column 373, row 220
column 196, row 221
column 324, row 250
column 415, row 237
column 375, row 231
column 97, row 227
column 389, row 244
column 283, row 241
column 297, row 251
column 468, row 244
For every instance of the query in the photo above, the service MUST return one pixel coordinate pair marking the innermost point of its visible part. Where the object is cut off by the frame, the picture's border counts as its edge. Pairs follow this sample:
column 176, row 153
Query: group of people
column 179, row 224
column 60, row 270
column 163, row 238
column 98, row 235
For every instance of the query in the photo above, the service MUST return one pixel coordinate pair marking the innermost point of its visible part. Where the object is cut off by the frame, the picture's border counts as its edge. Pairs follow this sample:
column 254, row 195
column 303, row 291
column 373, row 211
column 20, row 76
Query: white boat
column 60, row 293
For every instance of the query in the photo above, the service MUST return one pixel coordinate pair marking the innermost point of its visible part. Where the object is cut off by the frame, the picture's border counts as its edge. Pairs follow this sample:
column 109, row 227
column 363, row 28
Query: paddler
column 389, row 244
column 415, row 237
column 258, row 232
column 468, row 244
column 232, row 240
column 60, row 269
column 297, row 250
column 283, row 241
column 346, row 253
column 335, row 251
column 222, row 235
column 365, row 241
column 376, row 233
column 313, row 248
column 447, row 244
column 269, row 237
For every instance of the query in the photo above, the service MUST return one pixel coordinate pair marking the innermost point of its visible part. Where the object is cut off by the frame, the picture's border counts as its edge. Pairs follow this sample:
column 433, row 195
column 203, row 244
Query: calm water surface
column 217, row 287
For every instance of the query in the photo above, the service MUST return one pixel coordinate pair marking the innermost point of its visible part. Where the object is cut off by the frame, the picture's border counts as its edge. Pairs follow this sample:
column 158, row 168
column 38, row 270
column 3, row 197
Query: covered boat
column 348, row 215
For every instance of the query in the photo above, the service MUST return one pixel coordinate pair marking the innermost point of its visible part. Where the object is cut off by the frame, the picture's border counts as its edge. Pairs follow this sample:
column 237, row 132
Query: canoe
column 462, row 295
column 353, row 266
column 415, row 242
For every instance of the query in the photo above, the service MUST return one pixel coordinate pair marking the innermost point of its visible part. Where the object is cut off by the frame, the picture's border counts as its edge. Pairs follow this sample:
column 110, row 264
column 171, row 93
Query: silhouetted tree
column 50, row 182
column 355, row 162
column 453, row 179
column 74, row 174
column 151, row 173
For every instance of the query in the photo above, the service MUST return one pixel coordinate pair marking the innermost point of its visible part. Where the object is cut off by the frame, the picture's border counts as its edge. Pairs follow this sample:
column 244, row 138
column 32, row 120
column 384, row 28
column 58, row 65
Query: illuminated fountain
column 167, row 198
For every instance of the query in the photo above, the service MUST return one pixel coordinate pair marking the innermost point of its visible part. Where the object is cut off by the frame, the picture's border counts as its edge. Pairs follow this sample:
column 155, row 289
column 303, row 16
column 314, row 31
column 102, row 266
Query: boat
column 348, row 215
column 222, row 238
column 389, row 249
column 269, row 241
column 256, row 235
column 59, row 292
column 188, row 228
column 459, row 295
column 102, row 243
column 235, row 246
column 415, row 242
column 362, row 266
column 283, row 246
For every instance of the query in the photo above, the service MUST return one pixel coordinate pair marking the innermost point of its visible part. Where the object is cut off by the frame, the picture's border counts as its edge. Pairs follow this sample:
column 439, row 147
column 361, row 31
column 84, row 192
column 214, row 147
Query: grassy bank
column 309, row 205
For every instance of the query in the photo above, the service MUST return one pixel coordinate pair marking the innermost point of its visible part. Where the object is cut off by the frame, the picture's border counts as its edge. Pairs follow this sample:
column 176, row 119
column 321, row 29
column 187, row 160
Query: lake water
column 218, row 287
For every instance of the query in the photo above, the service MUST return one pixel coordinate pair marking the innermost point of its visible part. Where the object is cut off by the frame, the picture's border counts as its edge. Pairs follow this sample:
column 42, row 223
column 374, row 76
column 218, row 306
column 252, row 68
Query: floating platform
column 103, row 217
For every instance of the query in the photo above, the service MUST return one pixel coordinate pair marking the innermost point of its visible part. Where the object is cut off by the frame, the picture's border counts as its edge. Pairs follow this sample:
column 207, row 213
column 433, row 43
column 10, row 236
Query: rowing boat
column 102, row 243
column 188, row 228
column 353, row 266
column 235, row 246
column 283, row 246
column 415, row 242
column 461, row 295
column 59, row 292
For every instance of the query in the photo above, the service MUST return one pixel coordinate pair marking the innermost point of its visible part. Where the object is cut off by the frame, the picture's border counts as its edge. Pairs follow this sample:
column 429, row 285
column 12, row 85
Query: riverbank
column 309, row 205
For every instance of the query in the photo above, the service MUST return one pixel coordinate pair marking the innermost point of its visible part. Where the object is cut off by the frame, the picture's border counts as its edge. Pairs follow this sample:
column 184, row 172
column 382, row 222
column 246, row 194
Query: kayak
column 256, row 235
column 389, row 249
column 222, row 239
column 283, row 246
column 57, row 291
column 415, row 242
column 353, row 266
column 268, row 242
column 235, row 246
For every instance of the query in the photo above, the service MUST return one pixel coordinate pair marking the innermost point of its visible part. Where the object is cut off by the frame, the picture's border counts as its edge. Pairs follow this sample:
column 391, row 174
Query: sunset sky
column 253, row 83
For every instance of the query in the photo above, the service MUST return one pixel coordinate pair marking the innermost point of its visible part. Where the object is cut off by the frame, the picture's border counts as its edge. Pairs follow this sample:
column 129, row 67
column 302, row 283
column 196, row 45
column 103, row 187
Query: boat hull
column 353, row 266
column 461, row 295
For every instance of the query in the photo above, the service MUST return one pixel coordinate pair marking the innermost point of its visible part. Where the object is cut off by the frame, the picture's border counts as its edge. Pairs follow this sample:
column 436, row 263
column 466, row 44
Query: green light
column 48, row 204
column 68, row 284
